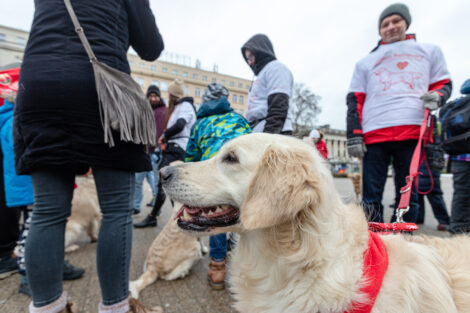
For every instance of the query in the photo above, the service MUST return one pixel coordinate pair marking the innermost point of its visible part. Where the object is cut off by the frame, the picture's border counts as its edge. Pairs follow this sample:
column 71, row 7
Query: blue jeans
column 460, row 212
column 375, row 167
column 152, row 179
column 218, row 247
column 53, row 191
column 438, row 204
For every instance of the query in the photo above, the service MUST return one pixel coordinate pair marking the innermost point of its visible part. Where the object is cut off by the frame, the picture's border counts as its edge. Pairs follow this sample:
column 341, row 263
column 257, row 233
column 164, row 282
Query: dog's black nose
column 167, row 173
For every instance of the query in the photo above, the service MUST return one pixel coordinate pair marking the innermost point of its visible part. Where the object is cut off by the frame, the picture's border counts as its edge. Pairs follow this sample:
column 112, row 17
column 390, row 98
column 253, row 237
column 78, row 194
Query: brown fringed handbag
column 123, row 106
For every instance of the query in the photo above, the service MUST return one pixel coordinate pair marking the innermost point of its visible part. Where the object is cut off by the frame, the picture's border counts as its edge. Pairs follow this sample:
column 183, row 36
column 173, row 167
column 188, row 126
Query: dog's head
column 355, row 177
column 254, row 181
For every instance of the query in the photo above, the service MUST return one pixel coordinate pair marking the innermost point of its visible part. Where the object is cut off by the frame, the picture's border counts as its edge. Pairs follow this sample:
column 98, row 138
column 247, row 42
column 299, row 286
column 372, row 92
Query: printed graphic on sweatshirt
column 392, row 79
column 389, row 78
column 399, row 72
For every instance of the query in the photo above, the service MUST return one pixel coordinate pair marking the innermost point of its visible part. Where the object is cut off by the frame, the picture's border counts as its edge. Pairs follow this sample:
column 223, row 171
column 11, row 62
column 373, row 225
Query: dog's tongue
column 180, row 212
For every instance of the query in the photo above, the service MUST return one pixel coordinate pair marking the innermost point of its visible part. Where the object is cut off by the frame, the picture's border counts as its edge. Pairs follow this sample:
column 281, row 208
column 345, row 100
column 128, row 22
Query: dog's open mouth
column 204, row 218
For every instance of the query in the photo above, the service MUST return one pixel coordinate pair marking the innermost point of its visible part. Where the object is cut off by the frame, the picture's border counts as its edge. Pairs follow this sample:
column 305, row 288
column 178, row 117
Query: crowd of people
column 52, row 132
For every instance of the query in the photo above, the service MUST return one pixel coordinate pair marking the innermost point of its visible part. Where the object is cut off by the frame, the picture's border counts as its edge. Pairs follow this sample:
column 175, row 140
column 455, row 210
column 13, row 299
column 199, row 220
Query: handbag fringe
column 123, row 107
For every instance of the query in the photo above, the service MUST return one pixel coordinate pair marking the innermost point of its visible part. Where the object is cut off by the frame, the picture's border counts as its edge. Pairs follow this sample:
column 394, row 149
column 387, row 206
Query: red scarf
column 375, row 266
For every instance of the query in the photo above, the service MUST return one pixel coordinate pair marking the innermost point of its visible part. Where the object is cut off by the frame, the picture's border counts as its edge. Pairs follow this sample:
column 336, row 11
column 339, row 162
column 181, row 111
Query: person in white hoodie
column 268, row 108
column 178, row 123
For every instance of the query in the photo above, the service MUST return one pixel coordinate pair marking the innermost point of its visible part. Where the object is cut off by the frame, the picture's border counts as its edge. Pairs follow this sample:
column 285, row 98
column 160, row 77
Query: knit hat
column 153, row 89
column 314, row 134
column 396, row 8
column 175, row 88
column 213, row 92
column 465, row 89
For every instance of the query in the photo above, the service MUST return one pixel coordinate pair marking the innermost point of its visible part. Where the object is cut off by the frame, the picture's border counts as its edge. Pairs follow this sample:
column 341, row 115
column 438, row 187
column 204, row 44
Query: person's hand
column 161, row 140
column 431, row 100
column 356, row 147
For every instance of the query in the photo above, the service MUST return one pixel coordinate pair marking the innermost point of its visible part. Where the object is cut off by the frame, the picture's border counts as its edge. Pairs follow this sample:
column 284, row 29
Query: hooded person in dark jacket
column 268, row 106
column 58, row 134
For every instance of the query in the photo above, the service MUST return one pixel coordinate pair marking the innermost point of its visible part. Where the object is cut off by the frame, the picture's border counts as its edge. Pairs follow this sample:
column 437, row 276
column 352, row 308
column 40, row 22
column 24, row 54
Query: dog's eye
column 231, row 157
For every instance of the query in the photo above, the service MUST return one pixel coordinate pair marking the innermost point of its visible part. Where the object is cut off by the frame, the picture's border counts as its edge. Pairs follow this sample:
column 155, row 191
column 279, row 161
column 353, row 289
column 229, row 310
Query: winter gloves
column 431, row 100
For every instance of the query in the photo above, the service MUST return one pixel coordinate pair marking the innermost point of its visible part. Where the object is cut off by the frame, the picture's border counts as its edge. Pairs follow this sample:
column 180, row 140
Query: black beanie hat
column 153, row 89
column 396, row 8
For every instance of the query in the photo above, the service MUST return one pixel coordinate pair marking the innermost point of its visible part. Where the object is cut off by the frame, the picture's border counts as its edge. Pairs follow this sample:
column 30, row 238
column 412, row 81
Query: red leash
column 392, row 227
column 425, row 136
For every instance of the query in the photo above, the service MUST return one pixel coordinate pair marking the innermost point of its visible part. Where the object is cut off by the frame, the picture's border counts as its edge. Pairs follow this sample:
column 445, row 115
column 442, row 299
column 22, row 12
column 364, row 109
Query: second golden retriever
column 171, row 256
column 301, row 249
column 85, row 218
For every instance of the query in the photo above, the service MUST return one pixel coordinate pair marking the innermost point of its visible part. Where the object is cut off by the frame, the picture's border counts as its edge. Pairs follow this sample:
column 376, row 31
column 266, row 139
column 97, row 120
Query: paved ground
column 188, row 295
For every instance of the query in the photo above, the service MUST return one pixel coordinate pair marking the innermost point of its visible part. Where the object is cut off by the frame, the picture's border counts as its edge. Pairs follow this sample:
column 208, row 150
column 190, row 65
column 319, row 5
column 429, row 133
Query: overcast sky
column 320, row 41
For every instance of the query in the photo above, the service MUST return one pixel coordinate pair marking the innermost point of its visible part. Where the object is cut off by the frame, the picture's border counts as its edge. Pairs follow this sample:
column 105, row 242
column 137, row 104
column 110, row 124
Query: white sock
column 120, row 307
column 54, row 307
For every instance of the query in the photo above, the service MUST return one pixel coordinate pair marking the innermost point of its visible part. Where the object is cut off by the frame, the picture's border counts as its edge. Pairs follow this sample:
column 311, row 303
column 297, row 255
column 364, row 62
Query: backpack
column 455, row 121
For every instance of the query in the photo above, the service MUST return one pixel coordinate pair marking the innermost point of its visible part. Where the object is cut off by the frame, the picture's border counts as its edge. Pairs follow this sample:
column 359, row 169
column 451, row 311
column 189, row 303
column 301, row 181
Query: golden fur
column 171, row 256
column 301, row 248
column 85, row 217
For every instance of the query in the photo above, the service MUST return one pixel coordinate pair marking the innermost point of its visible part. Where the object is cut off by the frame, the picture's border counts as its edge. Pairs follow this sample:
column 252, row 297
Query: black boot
column 148, row 221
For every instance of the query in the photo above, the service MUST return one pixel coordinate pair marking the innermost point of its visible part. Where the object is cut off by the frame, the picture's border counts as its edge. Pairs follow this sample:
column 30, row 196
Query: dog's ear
column 284, row 184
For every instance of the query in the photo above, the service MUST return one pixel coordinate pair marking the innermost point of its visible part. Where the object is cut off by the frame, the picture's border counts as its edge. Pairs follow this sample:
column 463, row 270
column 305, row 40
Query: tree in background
column 305, row 109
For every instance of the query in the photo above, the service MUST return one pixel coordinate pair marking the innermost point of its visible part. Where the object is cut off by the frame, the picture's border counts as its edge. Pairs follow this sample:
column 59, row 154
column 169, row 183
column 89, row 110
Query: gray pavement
column 188, row 295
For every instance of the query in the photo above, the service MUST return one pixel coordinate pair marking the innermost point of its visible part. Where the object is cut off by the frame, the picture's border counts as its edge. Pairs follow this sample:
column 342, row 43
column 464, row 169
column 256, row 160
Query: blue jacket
column 216, row 124
column 18, row 189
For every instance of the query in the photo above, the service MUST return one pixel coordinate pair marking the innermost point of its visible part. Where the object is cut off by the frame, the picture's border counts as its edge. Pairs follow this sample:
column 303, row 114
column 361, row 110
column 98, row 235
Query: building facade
column 12, row 44
column 160, row 73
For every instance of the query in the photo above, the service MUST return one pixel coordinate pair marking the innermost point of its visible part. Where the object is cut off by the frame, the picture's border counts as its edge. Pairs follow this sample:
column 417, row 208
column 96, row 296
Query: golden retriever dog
column 356, row 181
column 85, row 218
column 171, row 256
column 301, row 249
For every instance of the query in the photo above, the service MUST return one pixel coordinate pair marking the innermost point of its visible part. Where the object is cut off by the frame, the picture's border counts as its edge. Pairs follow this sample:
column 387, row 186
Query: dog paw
column 133, row 290
column 204, row 249
column 72, row 248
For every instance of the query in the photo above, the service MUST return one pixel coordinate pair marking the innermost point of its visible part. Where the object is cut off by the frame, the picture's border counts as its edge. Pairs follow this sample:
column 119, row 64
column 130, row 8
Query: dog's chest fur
column 264, row 282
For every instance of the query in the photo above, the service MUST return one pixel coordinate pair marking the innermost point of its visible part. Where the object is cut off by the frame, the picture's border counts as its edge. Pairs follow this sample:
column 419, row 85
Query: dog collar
column 374, row 268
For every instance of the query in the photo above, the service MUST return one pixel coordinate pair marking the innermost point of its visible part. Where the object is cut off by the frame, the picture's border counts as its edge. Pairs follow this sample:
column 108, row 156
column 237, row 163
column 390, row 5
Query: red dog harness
column 375, row 266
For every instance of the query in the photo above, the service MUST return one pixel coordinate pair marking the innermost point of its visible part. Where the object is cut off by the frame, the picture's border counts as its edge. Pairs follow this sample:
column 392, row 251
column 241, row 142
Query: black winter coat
column 56, row 119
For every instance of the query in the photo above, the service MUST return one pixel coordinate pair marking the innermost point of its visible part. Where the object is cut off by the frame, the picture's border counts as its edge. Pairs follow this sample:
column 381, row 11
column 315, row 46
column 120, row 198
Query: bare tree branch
column 305, row 109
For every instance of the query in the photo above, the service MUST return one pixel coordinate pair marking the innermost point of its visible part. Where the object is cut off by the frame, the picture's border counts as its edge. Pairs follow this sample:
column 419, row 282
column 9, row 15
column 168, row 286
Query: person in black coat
column 58, row 134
